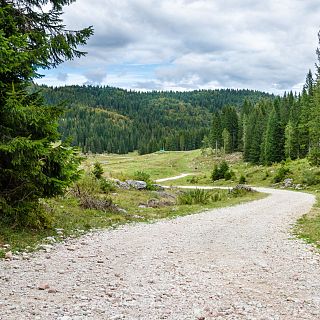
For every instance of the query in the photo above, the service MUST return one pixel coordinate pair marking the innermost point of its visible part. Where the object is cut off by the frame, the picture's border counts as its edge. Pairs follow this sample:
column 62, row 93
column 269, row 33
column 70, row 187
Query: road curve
column 229, row 263
column 182, row 175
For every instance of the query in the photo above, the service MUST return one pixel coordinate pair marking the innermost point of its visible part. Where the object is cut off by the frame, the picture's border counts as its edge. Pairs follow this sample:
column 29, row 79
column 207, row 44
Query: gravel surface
column 182, row 175
column 230, row 263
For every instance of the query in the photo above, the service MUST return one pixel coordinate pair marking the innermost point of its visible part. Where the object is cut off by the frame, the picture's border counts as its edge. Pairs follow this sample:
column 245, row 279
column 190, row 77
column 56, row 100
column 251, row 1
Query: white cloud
column 184, row 44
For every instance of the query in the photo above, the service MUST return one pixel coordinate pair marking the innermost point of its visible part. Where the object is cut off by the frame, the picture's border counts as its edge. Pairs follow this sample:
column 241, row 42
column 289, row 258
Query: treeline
column 105, row 119
column 272, row 130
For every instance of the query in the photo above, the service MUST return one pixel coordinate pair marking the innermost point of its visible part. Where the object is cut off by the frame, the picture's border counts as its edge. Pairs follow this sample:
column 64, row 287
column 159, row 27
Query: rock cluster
column 288, row 183
column 135, row 184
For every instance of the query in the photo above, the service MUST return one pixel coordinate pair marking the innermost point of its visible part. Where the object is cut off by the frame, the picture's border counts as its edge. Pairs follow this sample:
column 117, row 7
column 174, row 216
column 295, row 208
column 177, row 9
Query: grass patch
column 308, row 226
column 157, row 165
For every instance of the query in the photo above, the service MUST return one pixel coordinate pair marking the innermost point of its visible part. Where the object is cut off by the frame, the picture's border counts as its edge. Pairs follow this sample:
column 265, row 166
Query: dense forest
column 106, row 119
column 272, row 130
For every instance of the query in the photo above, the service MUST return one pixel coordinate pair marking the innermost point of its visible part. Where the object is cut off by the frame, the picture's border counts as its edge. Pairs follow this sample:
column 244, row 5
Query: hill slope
column 147, row 121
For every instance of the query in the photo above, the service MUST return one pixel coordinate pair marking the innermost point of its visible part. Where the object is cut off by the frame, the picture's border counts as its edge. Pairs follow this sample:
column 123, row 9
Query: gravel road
column 182, row 175
column 230, row 263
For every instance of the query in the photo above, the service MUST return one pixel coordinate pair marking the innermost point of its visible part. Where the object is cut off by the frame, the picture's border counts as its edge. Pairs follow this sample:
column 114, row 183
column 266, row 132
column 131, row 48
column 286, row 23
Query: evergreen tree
column 216, row 131
column 226, row 138
column 289, row 145
column 230, row 121
column 32, row 164
column 273, row 148
column 314, row 126
column 254, row 131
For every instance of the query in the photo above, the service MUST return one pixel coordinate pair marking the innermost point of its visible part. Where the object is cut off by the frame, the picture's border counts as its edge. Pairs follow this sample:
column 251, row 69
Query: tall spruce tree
column 314, row 119
column 253, row 132
column 273, row 145
column 289, row 145
column 314, row 126
column 216, row 131
column 32, row 164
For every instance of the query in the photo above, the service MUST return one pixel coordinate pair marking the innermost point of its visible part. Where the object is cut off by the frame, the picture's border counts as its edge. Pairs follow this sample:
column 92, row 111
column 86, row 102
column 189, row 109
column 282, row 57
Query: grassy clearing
column 157, row 165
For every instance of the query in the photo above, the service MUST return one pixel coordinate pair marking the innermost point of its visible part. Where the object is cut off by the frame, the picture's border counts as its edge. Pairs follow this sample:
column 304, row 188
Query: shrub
column 241, row 190
column 88, row 190
column 311, row 178
column 314, row 157
column 144, row 176
column 281, row 174
column 103, row 204
column 242, row 179
column 224, row 168
column 221, row 172
column 141, row 176
column 107, row 186
column 97, row 170
column 193, row 180
column 87, row 184
column 216, row 197
column 229, row 175
column 215, row 174
column 197, row 196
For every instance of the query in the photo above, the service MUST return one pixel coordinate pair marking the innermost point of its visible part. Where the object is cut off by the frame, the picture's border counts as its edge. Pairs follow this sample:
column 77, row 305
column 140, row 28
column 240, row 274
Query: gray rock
column 124, row 185
column 8, row 255
column 137, row 184
column 153, row 203
column 288, row 183
column 121, row 210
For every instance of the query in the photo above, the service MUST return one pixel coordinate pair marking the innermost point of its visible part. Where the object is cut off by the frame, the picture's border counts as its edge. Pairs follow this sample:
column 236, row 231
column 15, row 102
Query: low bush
column 103, row 204
column 222, row 171
column 200, row 196
column 281, row 174
column 144, row 176
column 193, row 180
column 141, row 176
column 197, row 196
column 241, row 190
column 88, row 184
column 314, row 156
column 242, row 179
column 97, row 170
column 107, row 186
column 311, row 177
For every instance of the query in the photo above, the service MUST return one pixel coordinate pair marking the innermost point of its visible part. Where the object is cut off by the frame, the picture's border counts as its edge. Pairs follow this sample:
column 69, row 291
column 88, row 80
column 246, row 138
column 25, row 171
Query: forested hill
column 106, row 119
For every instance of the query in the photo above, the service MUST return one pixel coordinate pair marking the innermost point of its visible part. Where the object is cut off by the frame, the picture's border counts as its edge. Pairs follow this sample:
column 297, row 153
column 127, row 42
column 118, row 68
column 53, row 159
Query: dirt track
column 230, row 263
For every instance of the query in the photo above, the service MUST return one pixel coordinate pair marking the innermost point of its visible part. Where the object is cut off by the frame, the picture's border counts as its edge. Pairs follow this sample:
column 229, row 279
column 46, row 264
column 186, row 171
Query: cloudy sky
column 193, row 44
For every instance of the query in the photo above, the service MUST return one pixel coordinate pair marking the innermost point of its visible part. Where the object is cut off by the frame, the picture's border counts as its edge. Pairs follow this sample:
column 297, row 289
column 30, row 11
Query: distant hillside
column 106, row 119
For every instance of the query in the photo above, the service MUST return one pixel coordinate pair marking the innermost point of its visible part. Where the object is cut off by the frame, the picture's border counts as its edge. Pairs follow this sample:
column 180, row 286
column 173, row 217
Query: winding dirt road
column 230, row 263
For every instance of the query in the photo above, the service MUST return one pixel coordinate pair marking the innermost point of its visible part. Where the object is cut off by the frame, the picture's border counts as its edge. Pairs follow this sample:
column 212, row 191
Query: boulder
column 136, row 184
column 156, row 203
column 288, row 183
column 153, row 203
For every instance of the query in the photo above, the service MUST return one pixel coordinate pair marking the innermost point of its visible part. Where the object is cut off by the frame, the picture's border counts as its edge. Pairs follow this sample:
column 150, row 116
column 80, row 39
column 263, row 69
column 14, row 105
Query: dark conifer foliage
column 106, row 119
column 32, row 164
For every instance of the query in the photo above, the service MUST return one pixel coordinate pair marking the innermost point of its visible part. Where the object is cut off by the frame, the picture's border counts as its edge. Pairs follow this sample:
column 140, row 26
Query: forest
column 272, row 130
column 266, row 128
column 105, row 119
